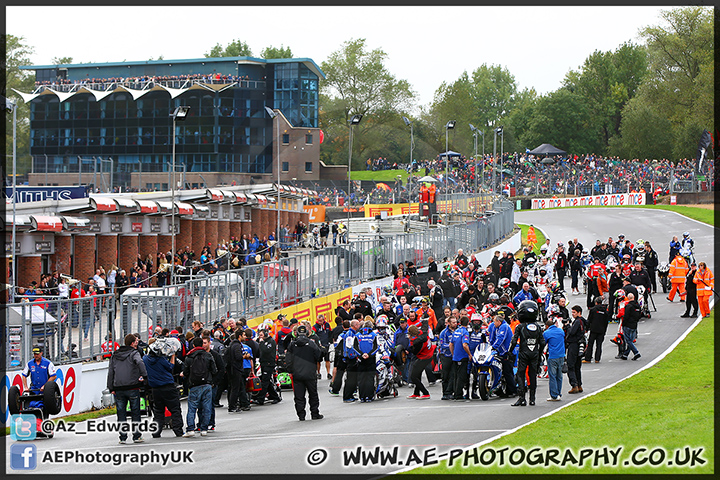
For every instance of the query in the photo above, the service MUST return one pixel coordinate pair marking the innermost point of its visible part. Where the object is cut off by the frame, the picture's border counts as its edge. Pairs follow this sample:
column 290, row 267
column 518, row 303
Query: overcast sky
column 425, row 45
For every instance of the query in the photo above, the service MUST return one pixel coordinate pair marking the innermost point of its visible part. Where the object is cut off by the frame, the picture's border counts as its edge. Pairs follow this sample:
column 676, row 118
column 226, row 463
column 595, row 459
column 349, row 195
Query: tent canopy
column 547, row 149
column 450, row 154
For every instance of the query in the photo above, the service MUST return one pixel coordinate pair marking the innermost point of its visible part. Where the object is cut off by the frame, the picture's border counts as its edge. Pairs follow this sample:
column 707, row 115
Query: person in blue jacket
column 475, row 337
column 459, row 347
column 366, row 345
column 165, row 393
column 445, row 356
column 40, row 370
column 500, row 342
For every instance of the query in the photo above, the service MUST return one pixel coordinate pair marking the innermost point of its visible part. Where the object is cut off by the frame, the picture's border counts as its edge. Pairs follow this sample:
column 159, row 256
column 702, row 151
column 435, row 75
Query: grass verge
column 705, row 215
column 668, row 406
column 538, row 236
column 379, row 176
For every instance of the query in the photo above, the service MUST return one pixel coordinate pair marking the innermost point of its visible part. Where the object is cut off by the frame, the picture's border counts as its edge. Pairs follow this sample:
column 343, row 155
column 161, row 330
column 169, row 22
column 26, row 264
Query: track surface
column 270, row 439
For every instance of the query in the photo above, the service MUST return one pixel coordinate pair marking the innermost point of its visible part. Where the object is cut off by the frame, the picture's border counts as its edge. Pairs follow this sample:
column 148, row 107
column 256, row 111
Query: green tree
column 63, row 60
column 358, row 82
column 563, row 119
column 17, row 54
column 680, row 81
column 236, row 48
column 272, row 52
column 644, row 132
column 608, row 80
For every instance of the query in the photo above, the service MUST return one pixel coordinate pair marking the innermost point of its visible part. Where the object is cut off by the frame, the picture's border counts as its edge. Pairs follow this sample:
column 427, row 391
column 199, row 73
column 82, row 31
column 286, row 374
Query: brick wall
column 60, row 260
column 29, row 269
column 164, row 243
column 127, row 252
column 236, row 229
column 246, row 228
column 84, row 257
column 184, row 238
column 198, row 236
column 107, row 249
column 148, row 244
column 211, row 234
column 223, row 234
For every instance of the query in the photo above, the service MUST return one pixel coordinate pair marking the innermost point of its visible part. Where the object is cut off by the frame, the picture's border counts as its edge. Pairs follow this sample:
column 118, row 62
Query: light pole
column 355, row 120
column 178, row 115
column 9, row 104
column 274, row 114
column 412, row 138
column 502, row 144
column 448, row 126
column 482, row 172
column 495, row 132
column 475, row 134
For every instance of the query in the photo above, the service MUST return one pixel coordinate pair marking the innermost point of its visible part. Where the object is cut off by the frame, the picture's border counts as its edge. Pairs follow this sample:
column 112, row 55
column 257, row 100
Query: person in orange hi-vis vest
column 705, row 283
column 531, row 238
column 424, row 194
column 678, row 271
column 431, row 193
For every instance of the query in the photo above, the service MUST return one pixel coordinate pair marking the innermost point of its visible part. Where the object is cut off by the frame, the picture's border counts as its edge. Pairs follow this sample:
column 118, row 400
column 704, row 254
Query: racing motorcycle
column 663, row 272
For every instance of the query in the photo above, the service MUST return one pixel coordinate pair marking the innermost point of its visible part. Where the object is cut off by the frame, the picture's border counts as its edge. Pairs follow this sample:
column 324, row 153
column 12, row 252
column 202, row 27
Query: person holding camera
column 301, row 359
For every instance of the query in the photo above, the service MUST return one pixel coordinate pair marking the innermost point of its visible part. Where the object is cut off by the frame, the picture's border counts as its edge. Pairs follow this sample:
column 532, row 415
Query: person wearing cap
column 691, row 298
column 301, row 359
column 40, row 370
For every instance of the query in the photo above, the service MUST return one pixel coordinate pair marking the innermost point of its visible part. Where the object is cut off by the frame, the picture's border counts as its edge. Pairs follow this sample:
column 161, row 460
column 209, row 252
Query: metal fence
column 75, row 330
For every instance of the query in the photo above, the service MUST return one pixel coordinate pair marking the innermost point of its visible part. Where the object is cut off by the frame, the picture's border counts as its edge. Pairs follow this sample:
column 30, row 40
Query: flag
column 704, row 143
column 527, row 150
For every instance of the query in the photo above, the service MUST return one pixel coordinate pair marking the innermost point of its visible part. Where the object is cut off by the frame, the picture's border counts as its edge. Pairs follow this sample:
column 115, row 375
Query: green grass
column 670, row 405
column 704, row 215
column 379, row 176
column 538, row 235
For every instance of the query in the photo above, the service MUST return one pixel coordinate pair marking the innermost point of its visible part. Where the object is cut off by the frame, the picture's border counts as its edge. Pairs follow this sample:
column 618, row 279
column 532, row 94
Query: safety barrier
column 250, row 291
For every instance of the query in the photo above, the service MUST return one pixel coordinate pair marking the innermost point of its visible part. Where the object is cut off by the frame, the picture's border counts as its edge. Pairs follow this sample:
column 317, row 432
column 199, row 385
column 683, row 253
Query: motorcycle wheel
column 483, row 390
column 664, row 284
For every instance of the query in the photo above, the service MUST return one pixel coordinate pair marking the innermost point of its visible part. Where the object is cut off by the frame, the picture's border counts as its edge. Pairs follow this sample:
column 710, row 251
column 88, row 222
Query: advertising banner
column 309, row 310
column 611, row 200
column 27, row 193
column 68, row 377
column 316, row 213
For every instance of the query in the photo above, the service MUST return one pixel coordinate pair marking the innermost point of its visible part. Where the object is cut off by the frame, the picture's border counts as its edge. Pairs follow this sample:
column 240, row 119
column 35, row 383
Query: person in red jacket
column 424, row 349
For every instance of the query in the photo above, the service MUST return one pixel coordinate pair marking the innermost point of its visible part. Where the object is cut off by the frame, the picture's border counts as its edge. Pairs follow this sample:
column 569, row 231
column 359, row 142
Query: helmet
column 381, row 321
column 504, row 283
column 554, row 309
column 626, row 256
column 620, row 294
column 554, row 286
column 494, row 297
column 387, row 290
column 531, row 260
column 640, row 242
column 544, row 247
column 641, row 290
column 585, row 250
column 527, row 311
column 686, row 234
column 621, row 236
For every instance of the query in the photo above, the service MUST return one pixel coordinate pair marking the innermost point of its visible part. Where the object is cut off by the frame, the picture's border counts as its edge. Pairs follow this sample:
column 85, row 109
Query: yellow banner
column 442, row 206
column 309, row 310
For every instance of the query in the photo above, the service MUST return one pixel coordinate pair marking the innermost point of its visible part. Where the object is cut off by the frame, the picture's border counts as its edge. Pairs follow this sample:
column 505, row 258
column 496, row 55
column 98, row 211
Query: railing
column 75, row 330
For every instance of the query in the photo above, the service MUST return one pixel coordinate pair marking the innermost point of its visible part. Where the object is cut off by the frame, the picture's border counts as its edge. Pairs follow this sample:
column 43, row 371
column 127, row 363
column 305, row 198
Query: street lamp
column 274, row 114
column 412, row 138
column 355, row 120
column 448, row 126
column 502, row 147
column 179, row 115
column 10, row 105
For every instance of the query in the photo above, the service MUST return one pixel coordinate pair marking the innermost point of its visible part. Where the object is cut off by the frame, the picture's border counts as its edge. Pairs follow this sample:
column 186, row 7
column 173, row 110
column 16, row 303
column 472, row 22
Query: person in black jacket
column 126, row 375
column 361, row 305
column 165, row 393
column 217, row 378
column 200, row 383
column 575, row 335
column 238, row 356
column 597, row 320
column 640, row 276
column 630, row 320
column 651, row 263
column 268, row 355
column 691, row 300
column 561, row 265
column 615, row 283
column 532, row 343
column 301, row 360
column 322, row 332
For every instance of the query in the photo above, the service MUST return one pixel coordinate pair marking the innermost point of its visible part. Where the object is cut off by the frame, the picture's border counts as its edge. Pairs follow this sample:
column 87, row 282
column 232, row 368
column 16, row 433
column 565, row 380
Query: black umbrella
column 547, row 161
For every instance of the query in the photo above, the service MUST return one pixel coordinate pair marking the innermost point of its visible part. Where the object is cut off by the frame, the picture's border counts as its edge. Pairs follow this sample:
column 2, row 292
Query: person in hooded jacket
column 301, row 360
column 366, row 345
column 165, row 393
column 126, row 375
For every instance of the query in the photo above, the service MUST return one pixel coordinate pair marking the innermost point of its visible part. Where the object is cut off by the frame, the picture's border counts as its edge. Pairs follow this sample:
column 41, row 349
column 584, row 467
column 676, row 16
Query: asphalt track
column 270, row 439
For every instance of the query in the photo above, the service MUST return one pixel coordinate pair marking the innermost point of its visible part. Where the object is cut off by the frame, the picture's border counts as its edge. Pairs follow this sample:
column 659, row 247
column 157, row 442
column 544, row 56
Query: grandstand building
column 84, row 115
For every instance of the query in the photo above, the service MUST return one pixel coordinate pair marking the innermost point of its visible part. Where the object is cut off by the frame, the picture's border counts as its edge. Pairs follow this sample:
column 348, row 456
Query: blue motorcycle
column 489, row 369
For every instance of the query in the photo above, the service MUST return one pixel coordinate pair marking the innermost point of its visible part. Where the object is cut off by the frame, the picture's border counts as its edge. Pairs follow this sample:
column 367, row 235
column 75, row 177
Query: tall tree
column 64, row 60
column 681, row 73
column 236, row 48
column 358, row 82
column 273, row 52
column 17, row 54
